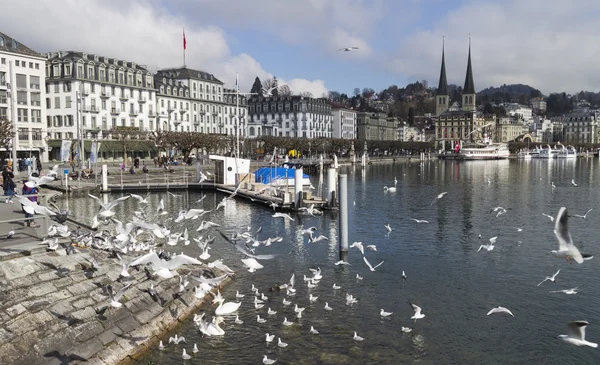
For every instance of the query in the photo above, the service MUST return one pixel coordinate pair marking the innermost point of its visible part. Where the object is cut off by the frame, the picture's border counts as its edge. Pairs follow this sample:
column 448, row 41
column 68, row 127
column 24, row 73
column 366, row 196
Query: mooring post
column 104, row 178
column 343, row 198
column 66, row 174
column 298, row 173
column 331, row 188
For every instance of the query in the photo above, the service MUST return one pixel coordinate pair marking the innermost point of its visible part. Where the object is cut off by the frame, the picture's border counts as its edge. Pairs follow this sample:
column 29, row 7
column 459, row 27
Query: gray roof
column 469, row 84
column 11, row 45
column 443, row 85
column 184, row 73
column 87, row 57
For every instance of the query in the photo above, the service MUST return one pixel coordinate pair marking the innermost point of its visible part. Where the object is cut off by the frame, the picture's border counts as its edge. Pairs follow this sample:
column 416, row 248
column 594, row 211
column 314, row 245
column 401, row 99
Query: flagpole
column 237, row 115
column 184, row 47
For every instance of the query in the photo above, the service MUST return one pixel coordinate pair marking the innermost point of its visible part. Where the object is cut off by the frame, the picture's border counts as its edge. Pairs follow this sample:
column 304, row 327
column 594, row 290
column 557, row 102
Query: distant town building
column 509, row 128
column 88, row 96
column 520, row 111
column 579, row 126
column 196, row 101
column 289, row 116
column 458, row 122
column 538, row 105
column 376, row 126
column 22, row 94
column 344, row 123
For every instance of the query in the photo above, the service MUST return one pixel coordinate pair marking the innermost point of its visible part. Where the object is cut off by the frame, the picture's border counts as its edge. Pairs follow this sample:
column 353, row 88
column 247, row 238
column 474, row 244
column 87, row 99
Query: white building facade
column 289, row 116
column 90, row 96
column 22, row 76
column 196, row 101
column 344, row 123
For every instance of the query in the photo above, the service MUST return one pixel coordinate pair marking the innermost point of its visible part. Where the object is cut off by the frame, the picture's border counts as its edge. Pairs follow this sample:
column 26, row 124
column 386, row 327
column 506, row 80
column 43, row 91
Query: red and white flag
column 184, row 41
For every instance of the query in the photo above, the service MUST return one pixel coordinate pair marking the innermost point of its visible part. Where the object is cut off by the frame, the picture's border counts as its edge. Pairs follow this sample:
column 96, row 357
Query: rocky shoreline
column 51, row 311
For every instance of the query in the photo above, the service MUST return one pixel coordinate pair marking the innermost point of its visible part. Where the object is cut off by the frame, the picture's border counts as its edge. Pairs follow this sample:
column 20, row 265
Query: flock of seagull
column 566, row 249
column 151, row 229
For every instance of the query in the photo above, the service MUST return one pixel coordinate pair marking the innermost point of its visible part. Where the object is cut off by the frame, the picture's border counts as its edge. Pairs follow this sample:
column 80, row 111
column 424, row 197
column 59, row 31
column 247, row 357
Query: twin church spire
column 442, row 102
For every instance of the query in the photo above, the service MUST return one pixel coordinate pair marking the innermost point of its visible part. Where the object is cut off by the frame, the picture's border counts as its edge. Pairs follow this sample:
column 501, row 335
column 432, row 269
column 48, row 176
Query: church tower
column 442, row 98
column 468, row 94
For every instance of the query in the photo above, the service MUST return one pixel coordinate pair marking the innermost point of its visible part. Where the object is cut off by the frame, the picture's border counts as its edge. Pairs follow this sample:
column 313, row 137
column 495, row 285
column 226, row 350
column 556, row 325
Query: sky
column 551, row 45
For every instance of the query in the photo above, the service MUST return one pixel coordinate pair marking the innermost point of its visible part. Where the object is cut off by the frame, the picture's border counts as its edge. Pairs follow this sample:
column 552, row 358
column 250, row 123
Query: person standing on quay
column 8, row 184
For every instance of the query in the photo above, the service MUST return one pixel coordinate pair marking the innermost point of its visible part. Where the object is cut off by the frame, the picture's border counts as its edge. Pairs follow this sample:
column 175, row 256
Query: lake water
column 454, row 284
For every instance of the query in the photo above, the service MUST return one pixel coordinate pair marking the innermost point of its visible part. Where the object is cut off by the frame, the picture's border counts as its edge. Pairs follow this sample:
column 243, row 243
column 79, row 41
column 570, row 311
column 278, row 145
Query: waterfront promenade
column 54, row 307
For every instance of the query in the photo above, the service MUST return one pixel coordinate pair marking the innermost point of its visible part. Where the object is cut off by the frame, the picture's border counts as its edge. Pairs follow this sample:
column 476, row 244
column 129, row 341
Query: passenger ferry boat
column 527, row 154
column 567, row 152
column 491, row 151
column 547, row 153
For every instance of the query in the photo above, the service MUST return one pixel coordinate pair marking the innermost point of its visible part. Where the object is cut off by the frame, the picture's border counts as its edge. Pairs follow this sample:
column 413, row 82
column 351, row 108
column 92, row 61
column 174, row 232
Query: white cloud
column 549, row 44
column 323, row 24
column 136, row 30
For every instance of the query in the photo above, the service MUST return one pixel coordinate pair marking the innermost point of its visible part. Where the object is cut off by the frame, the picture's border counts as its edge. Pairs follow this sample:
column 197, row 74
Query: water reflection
column 454, row 284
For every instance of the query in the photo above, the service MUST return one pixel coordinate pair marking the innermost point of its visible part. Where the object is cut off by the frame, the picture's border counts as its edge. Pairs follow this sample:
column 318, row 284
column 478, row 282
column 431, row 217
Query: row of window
column 26, row 115
column 22, row 63
column 98, row 73
column 23, row 133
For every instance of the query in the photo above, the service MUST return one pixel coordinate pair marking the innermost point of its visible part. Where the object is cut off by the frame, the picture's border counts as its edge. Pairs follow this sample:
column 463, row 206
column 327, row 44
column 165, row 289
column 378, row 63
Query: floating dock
column 248, row 191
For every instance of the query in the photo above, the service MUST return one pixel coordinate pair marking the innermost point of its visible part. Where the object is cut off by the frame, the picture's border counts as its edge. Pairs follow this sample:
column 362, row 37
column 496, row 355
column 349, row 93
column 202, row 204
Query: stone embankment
column 54, row 310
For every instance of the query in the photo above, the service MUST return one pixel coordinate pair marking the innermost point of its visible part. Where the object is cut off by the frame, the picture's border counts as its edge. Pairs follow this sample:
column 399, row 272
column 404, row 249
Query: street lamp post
column 13, row 116
column 237, row 94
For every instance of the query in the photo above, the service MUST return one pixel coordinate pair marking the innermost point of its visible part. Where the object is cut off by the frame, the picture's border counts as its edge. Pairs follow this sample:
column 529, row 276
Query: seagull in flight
column 573, row 182
column 489, row 246
column 359, row 246
column 348, row 49
column 440, row 196
column 576, row 334
column 566, row 247
column 500, row 211
column 549, row 216
column 566, row 291
column 372, row 268
column 417, row 310
column 582, row 216
column 419, row 220
column 500, row 310
column 389, row 229
column 551, row 278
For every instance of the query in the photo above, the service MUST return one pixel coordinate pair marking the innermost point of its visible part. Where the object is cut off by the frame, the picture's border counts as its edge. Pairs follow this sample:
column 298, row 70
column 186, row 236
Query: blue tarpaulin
column 266, row 175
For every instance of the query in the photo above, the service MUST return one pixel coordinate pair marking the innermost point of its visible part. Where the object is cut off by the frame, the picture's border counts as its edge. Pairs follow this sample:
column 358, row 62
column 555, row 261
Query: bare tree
column 6, row 133
column 306, row 94
column 285, row 90
column 268, row 86
column 129, row 138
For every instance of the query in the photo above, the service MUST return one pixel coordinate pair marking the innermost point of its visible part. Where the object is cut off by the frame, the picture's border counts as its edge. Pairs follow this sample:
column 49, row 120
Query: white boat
column 567, row 152
column 547, row 153
column 492, row 151
column 527, row 154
